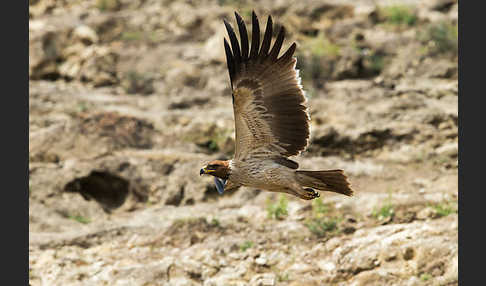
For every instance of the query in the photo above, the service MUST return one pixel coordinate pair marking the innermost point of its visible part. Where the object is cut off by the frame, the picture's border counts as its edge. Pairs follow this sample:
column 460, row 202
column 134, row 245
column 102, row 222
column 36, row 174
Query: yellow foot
column 310, row 194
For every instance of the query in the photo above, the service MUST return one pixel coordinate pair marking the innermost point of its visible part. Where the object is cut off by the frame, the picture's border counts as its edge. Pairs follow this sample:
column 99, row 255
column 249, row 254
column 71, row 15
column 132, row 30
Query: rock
column 420, row 182
column 45, row 51
column 181, row 74
column 261, row 261
column 326, row 266
column 449, row 149
column 134, row 82
column 440, row 5
column 266, row 279
column 426, row 213
column 433, row 68
column 214, row 48
column 408, row 253
column 85, row 34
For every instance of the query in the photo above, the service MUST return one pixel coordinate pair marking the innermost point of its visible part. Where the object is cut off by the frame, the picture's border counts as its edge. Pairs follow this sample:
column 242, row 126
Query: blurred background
column 129, row 99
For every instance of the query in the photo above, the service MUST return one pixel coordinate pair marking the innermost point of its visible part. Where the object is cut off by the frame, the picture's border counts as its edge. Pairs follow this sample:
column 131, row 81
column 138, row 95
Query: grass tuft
column 132, row 36
column 385, row 211
column 215, row 222
column 283, row 277
column 107, row 5
column 321, row 226
column 441, row 38
column 425, row 277
column 444, row 209
column 80, row 219
column 278, row 210
column 245, row 245
column 319, row 208
column 398, row 15
column 320, row 46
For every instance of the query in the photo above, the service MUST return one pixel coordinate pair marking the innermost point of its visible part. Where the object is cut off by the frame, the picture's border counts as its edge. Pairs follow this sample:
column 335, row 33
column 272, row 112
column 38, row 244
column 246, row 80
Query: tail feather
column 329, row 180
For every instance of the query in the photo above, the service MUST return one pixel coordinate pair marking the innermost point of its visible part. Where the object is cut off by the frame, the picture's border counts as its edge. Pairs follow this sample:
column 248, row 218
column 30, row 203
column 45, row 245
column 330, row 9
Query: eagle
column 272, row 122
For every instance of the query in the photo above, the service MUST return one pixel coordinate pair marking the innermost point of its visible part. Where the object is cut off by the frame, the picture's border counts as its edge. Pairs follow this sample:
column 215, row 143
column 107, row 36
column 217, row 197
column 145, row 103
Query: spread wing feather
column 268, row 101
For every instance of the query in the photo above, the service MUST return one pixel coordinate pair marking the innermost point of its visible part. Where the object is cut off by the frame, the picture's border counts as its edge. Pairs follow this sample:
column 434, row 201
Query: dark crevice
column 109, row 190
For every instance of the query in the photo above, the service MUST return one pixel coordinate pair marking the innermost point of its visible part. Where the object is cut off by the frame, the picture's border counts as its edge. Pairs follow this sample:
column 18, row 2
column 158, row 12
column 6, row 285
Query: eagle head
column 216, row 168
column 220, row 170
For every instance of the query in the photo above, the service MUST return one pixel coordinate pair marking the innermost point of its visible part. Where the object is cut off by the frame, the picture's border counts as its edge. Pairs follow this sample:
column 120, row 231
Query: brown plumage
column 271, row 119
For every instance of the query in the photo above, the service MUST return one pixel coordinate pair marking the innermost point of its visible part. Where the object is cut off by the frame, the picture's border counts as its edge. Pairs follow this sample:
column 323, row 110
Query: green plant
column 107, row 5
column 215, row 222
column 321, row 226
column 245, row 245
column 131, row 36
column 79, row 218
column 135, row 82
column 321, row 46
column 82, row 107
column 385, row 211
column 441, row 37
column 213, row 146
column 319, row 208
column 376, row 62
column 316, row 58
column 425, row 276
column 278, row 210
column 230, row 2
column 283, row 277
column 398, row 15
column 444, row 209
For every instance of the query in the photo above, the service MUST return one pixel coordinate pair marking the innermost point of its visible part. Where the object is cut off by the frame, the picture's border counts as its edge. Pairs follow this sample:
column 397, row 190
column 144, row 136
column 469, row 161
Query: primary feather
column 270, row 115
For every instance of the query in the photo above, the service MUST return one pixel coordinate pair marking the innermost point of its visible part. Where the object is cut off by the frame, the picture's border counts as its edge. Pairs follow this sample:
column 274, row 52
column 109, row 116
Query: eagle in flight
column 271, row 120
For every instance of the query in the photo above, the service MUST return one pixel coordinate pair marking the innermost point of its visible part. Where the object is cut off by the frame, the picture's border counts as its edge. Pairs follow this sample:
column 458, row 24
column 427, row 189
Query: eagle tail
column 329, row 180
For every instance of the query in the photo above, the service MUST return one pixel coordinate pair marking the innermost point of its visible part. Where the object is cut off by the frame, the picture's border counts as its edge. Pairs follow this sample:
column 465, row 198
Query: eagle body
column 272, row 122
column 262, row 174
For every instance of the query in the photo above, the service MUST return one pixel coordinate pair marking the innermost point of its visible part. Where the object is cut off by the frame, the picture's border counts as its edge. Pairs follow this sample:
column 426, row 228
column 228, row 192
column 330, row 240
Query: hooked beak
column 205, row 171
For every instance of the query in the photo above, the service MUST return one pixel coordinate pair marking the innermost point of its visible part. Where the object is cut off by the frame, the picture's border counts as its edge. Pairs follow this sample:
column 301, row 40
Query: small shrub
column 247, row 244
column 108, row 5
column 131, row 36
column 82, row 107
column 385, row 211
column 375, row 62
column 441, row 38
column 230, row 2
column 444, row 209
column 215, row 222
column 398, row 15
column 316, row 57
column 321, row 226
column 320, row 46
column 425, row 276
column 283, row 277
column 278, row 210
column 213, row 146
column 319, row 208
column 134, row 82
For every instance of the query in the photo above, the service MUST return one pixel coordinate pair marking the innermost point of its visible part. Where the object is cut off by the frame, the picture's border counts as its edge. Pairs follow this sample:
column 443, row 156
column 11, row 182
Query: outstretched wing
column 268, row 101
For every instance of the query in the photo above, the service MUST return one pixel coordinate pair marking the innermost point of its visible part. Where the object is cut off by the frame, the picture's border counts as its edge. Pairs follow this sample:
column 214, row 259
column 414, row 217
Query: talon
column 312, row 194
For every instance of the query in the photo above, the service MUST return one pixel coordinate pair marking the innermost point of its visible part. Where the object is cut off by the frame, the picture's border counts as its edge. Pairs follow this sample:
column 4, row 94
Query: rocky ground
column 128, row 99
